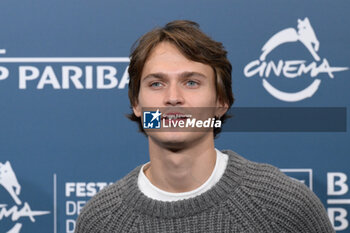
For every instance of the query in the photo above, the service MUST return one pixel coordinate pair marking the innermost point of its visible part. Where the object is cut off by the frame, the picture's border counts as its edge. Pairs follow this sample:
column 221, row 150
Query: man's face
column 168, row 80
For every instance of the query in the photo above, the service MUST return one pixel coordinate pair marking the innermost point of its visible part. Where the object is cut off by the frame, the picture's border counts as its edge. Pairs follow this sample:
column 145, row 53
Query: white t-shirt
column 153, row 192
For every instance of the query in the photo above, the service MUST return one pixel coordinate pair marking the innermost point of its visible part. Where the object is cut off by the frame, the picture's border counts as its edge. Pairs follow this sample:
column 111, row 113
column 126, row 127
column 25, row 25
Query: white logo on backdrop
column 60, row 73
column 293, row 68
column 303, row 175
column 9, row 181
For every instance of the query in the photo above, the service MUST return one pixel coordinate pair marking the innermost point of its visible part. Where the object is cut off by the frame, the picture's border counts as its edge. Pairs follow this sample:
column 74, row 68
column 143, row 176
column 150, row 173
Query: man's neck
column 181, row 170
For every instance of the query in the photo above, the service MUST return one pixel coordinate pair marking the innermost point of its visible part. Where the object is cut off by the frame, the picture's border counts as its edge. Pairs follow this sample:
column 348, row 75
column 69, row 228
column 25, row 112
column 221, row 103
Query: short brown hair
column 194, row 45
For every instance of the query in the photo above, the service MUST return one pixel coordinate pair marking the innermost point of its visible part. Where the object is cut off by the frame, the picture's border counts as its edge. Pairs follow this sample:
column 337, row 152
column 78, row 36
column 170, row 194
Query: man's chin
column 174, row 140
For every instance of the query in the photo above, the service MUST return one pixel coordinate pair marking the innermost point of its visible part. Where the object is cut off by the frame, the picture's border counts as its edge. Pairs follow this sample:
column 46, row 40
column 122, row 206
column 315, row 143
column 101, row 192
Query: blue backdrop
column 63, row 96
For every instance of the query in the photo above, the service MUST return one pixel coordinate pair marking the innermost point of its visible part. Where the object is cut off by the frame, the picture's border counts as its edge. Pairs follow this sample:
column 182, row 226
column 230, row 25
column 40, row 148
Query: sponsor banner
column 338, row 200
column 64, row 134
column 16, row 211
column 63, row 73
column 292, row 69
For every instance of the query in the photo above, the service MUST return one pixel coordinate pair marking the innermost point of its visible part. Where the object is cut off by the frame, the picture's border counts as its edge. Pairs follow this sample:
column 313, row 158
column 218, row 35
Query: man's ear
column 222, row 108
column 137, row 110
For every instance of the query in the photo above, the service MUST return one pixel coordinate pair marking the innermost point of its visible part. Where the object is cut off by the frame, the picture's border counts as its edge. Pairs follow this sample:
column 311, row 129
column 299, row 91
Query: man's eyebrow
column 186, row 74
column 191, row 74
column 154, row 75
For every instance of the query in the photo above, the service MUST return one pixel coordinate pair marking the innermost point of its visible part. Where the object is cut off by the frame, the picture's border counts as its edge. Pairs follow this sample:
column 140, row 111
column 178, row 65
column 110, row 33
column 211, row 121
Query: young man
column 188, row 185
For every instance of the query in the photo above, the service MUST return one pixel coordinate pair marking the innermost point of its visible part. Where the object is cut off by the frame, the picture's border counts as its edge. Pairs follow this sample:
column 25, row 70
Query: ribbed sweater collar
column 133, row 198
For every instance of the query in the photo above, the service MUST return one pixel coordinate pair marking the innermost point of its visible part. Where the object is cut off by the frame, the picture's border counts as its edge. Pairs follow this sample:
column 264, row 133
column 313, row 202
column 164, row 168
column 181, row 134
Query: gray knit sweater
column 249, row 197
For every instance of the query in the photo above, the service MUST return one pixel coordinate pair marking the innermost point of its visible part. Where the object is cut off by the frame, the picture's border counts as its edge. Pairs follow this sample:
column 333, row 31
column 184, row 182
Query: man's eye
column 156, row 84
column 192, row 83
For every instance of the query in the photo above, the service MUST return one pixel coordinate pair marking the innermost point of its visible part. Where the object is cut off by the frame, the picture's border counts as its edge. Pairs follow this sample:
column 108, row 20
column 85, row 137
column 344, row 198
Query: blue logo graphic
column 151, row 119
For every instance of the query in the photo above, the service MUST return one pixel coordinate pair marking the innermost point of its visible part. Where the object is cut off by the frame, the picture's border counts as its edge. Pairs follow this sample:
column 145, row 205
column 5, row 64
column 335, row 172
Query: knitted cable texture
column 249, row 198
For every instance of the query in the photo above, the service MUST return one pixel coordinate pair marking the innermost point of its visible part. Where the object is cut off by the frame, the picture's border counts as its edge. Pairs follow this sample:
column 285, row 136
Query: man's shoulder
column 110, row 195
column 99, row 208
column 260, row 175
column 286, row 201
column 266, row 180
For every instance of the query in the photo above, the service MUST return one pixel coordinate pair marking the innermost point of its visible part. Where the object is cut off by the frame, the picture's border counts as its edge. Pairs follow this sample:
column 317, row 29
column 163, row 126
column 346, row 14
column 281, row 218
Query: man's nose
column 174, row 95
